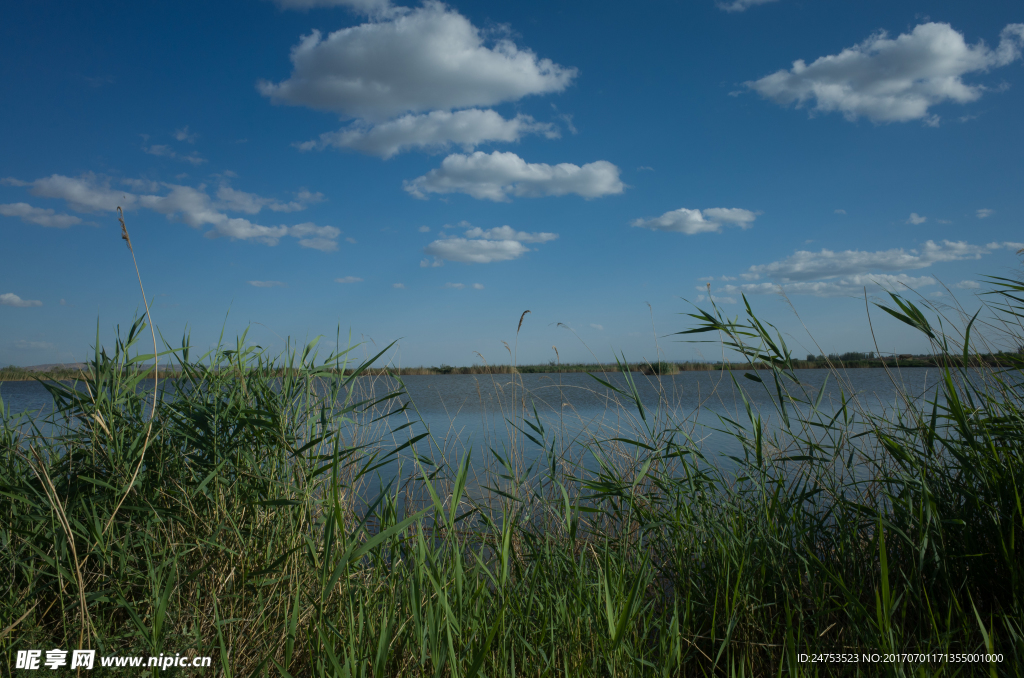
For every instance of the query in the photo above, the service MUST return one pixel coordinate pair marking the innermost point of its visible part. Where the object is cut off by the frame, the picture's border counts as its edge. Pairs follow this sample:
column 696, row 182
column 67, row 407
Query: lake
column 472, row 412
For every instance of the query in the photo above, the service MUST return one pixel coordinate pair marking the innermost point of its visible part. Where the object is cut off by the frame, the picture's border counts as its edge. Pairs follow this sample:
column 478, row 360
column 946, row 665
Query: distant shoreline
column 665, row 368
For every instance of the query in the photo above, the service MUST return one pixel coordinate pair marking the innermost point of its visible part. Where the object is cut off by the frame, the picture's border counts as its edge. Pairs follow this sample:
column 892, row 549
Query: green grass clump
column 243, row 521
column 660, row 368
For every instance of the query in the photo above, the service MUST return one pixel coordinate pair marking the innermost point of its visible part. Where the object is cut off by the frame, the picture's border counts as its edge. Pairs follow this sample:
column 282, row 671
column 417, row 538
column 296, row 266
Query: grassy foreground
column 235, row 518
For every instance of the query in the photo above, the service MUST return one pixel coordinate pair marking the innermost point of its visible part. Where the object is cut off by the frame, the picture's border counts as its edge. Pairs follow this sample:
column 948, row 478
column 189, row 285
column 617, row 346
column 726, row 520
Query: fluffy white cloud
column 497, row 176
column 422, row 59
column 454, row 286
column 480, row 246
column 193, row 206
column 266, row 283
column 829, row 274
column 893, row 80
column 509, row 233
column 916, row 219
column 740, row 5
column 87, row 193
column 11, row 299
column 437, row 129
column 967, row 285
column 691, row 222
column 348, row 279
column 475, row 251
column 398, row 286
column 804, row 265
column 477, row 286
column 38, row 215
column 427, row 263
column 600, row 328
column 985, row 213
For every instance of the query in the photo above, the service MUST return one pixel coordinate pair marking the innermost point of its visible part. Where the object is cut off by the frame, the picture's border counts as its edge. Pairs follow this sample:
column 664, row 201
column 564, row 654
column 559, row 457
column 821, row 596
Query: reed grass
column 258, row 527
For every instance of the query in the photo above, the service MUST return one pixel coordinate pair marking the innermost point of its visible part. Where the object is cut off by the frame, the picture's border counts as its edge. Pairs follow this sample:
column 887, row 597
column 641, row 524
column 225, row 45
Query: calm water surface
column 472, row 412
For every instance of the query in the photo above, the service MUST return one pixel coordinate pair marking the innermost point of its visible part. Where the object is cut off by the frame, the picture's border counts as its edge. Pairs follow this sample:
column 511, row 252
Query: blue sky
column 426, row 173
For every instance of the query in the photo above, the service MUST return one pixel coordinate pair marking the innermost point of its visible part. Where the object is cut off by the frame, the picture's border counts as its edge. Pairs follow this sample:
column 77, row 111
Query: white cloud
column 597, row 327
column 398, row 286
column 985, row 213
column 454, row 286
column 691, row 222
column 87, row 193
column 372, row 7
column 315, row 237
column 498, row 176
column 707, row 278
column 567, row 119
column 804, row 265
column 403, row 76
column 266, row 283
column 479, row 246
column 160, row 150
column 740, row 5
column 144, row 185
column 193, row 206
column 644, row 168
column 184, row 135
column 840, row 211
column 477, row 286
column 434, row 130
column 239, row 201
column 830, row 274
column 427, row 263
column 424, row 229
column 33, row 345
column 715, row 298
column 848, row 286
column 475, row 251
column 967, row 285
column 11, row 299
column 348, row 279
column 38, row 215
column 916, row 219
column 509, row 233
column 893, row 80
column 422, row 59
column 168, row 152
